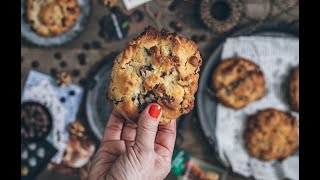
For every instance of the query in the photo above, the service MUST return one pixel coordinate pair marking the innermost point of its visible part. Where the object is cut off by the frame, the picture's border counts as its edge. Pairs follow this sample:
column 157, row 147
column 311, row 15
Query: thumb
column 148, row 127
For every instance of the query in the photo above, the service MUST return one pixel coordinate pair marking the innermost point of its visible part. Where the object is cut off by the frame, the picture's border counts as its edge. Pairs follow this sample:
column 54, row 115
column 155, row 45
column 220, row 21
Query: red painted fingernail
column 155, row 111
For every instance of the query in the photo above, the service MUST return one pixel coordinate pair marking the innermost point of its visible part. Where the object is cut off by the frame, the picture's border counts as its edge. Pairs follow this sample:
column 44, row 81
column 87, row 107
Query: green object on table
column 125, row 24
column 178, row 162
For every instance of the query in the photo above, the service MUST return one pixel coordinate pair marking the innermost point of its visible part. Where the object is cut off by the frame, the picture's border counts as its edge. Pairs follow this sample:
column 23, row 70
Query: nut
column 63, row 79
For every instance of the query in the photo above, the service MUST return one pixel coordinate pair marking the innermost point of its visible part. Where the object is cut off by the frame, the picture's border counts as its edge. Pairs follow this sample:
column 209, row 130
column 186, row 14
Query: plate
column 30, row 36
column 98, row 108
column 206, row 102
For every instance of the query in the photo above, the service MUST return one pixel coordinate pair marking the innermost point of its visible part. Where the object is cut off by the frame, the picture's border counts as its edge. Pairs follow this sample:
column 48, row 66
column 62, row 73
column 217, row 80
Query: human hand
column 134, row 151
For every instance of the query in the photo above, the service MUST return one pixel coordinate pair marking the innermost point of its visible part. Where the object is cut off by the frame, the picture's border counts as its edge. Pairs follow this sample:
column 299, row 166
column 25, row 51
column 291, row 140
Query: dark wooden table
column 187, row 13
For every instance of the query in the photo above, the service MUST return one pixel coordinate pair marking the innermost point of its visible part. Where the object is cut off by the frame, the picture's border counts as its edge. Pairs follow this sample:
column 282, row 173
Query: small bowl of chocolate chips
column 36, row 121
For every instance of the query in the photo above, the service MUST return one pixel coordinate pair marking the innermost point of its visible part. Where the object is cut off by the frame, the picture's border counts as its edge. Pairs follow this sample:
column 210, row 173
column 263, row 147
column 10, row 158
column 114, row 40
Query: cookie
column 159, row 67
column 294, row 89
column 52, row 17
column 237, row 82
column 271, row 134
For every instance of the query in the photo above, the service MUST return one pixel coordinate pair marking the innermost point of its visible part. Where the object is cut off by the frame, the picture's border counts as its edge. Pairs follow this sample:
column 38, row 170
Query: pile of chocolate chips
column 35, row 121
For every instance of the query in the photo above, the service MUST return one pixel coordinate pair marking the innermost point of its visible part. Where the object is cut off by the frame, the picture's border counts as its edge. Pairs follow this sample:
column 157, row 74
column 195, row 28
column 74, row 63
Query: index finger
column 166, row 137
column 114, row 127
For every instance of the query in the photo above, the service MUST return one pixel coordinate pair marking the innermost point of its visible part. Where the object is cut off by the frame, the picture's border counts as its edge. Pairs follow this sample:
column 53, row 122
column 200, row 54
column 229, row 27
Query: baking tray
column 206, row 102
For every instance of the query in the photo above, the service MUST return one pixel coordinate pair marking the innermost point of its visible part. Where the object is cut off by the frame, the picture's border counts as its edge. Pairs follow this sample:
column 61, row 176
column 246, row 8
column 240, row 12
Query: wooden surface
column 187, row 13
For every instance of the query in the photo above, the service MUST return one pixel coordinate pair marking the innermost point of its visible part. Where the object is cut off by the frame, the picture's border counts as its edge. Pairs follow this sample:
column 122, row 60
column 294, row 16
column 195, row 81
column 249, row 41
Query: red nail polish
column 155, row 111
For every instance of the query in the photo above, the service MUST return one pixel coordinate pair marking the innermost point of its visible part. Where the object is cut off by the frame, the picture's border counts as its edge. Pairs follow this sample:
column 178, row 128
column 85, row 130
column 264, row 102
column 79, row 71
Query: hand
column 134, row 151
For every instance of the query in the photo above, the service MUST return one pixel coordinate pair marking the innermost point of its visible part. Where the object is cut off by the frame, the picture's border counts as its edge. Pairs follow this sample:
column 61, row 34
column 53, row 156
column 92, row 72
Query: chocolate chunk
column 86, row 46
column 96, row 45
column 175, row 59
column 162, row 74
column 144, row 69
column 71, row 10
column 82, row 59
column 64, row 22
column 63, row 64
column 75, row 73
column 35, row 64
column 71, row 93
column 57, row 55
column 194, row 61
column 168, row 101
column 153, row 50
column 62, row 99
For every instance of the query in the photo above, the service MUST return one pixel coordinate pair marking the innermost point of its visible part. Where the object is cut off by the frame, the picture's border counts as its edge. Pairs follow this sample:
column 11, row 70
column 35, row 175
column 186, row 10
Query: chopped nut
column 63, row 79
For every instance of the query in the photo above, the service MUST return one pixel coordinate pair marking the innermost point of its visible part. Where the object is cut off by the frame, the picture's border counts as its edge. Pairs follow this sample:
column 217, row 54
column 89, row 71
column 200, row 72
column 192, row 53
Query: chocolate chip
column 63, row 64
column 62, row 99
column 72, row 93
column 75, row 73
column 71, row 10
column 144, row 69
column 86, row 46
column 162, row 74
column 82, row 58
column 96, row 45
column 53, row 72
column 194, row 61
column 133, row 98
column 35, row 64
column 64, row 22
column 57, row 55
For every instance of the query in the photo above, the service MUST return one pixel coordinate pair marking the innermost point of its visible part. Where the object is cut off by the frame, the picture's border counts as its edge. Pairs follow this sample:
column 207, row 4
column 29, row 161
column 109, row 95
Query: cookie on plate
column 294, row 89
column 271, row 134
column 237, row 82
column 160, row 67
column 52, row 17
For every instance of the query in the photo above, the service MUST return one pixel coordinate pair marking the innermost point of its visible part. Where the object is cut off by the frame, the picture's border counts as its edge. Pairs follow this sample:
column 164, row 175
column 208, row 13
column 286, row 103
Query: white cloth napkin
column 275, row 56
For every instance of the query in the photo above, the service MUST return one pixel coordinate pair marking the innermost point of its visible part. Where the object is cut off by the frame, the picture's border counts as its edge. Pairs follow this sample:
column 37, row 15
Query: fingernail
column 155, row 110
